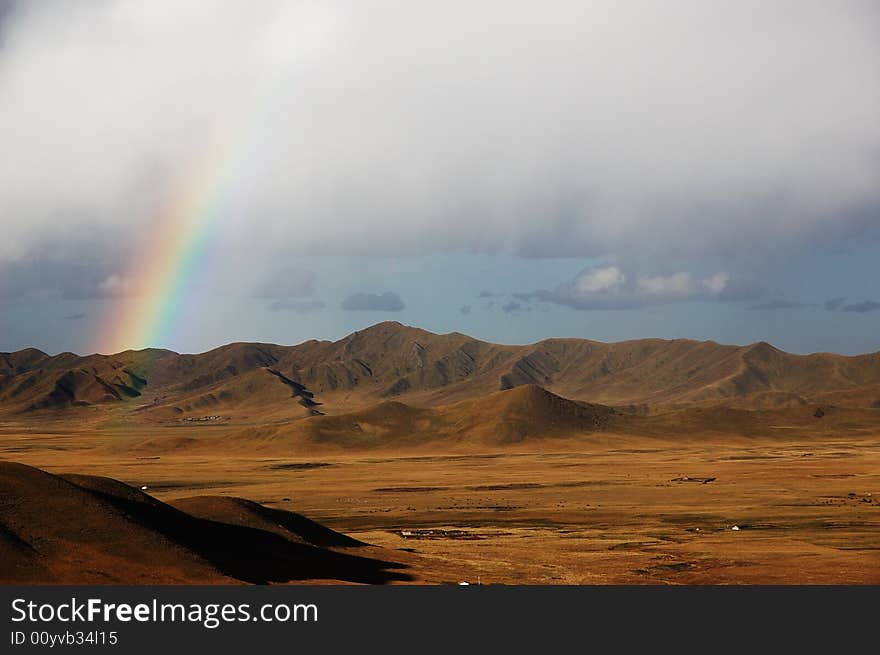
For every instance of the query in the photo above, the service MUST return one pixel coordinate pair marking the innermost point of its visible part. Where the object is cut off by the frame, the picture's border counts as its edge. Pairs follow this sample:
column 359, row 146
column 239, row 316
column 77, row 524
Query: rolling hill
column 505, row 417
column 75, row 529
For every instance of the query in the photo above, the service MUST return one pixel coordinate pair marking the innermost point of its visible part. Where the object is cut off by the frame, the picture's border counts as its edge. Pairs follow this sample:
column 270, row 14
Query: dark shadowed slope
column 240, row 511
column 82, row 529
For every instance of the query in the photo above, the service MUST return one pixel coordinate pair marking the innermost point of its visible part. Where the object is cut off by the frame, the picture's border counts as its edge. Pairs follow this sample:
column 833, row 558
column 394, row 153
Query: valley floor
column 572, row 511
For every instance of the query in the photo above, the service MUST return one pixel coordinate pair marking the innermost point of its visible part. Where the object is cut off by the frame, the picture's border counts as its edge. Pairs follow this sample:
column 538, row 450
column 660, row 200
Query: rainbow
column 157, row 283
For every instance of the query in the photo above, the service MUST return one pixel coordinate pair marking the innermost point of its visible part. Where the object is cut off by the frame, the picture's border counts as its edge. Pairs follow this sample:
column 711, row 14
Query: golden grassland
column 595, row 509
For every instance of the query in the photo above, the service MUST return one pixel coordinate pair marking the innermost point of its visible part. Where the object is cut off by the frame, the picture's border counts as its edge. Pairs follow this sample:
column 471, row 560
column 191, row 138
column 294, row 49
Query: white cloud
column 677, row 284
column 682, row 285
column 716, row 284
column 115, row 285
column 599, row 280
column 609, row 288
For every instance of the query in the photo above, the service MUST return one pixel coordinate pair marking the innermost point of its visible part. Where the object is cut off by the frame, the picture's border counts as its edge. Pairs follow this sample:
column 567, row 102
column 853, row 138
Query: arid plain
column 564, row 462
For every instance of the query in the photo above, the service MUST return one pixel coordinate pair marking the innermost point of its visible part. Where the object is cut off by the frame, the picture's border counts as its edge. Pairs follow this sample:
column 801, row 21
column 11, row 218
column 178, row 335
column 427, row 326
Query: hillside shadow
column 254, row 555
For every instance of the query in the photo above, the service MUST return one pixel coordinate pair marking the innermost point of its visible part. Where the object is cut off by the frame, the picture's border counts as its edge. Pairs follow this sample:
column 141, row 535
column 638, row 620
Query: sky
column 514, row 171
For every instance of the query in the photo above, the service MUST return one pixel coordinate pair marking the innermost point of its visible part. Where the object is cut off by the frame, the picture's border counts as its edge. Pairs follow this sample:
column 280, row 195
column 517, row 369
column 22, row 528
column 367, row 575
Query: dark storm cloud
column 297, row 306
column 71, row 271
column 776, row 304
column 513, row 307
column 739, row 289
column 6, row 10
column 702, row 139
column 374, row 302
column 862, row 307
column 833, row 304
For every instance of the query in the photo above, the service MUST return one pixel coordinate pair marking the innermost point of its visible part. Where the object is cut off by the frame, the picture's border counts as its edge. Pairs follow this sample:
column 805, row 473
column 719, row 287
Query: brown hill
column 523, row 413
column 21, row 361
column 390, row 361
column 262, row 393
column 502, row 418
column 88, row 530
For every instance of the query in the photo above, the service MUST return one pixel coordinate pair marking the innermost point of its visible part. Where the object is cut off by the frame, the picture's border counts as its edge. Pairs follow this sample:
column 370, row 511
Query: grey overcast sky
column 511, row 170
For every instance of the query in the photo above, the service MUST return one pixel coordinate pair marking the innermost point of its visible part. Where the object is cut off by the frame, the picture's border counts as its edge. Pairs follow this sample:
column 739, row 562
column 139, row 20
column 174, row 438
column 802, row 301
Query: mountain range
column 390, row 361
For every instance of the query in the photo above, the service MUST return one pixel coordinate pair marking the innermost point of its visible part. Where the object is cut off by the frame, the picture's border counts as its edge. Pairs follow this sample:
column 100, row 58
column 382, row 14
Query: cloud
column 701, row 140
column 486, row 294
column 6, row 13
column 297, row 306
column 776, row 304
column 837, row 305
column 681, row 285
column 75, row 317
column 374, row 302
column 71, row 270
column 608, row 287
column 599, row 281
column 862, row 307
column 738, row 289
column 717, row 284
column 115, row 285
column 464, row 310
column 287, row 283
column 513, row 307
